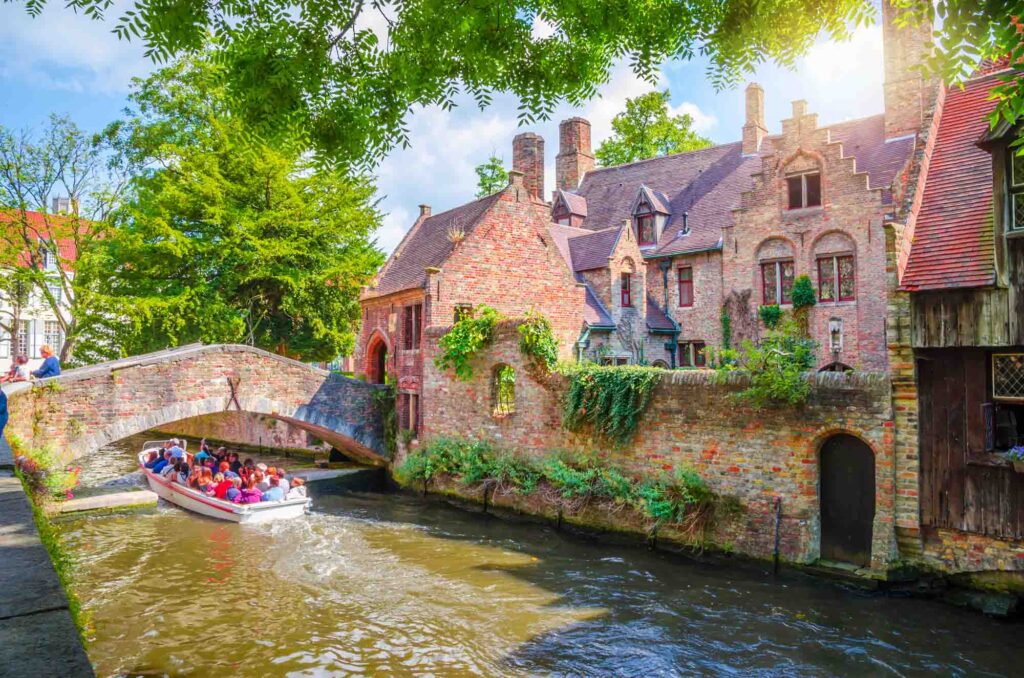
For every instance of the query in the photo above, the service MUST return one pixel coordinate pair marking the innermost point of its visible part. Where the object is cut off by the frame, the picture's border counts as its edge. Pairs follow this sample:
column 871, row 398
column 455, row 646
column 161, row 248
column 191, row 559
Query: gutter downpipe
column 666, row 265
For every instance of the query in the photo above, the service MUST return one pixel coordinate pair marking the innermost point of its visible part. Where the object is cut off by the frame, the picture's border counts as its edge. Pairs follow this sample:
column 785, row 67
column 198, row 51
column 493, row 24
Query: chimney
column 528, row 158
column 574, row 157
column 904, row 48
column 754, row 130
column 61, row 205
column 424, row 211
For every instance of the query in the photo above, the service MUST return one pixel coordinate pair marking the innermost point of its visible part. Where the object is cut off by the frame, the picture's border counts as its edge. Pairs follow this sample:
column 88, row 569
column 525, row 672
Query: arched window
column 775, row 259
column 626, row 283
column 503, row 390
column 836, row 267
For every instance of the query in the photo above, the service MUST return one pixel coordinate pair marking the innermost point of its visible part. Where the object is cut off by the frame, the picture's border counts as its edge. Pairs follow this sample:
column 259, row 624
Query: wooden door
column 847, row 497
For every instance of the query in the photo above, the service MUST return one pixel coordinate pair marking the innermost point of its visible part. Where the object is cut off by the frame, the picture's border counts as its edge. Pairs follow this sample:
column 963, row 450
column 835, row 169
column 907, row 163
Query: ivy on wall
column 537, row 342
column 608, row 401
column 465, row 339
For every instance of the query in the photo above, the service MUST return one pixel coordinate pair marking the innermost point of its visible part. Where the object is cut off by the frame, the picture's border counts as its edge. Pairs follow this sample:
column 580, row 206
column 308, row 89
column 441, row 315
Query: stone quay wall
column 756, row 457
column 84, row 409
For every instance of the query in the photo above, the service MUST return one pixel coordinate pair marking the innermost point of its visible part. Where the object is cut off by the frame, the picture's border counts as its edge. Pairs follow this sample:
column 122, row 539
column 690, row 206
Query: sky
column 65, row 63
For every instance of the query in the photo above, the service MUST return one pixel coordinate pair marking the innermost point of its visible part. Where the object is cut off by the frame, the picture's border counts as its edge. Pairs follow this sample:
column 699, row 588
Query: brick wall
column 242, row 428
column 87, row 408
column 692, row 422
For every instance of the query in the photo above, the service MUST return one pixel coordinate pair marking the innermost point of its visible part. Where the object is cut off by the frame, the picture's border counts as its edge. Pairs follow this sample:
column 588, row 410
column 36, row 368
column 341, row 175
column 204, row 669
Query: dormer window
column 804, row 190
column 1016, row 192
column 645, row 226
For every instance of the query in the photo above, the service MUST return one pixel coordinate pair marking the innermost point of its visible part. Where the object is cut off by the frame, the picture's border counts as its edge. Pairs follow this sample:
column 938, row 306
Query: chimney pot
column 424, row 211
column 528, row 159
column 515, row 178
column 575, row 157
column 799, row 108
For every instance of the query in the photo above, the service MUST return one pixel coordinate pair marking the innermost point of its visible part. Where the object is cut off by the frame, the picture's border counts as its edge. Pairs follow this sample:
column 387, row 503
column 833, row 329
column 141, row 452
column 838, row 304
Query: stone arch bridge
column 84, row 409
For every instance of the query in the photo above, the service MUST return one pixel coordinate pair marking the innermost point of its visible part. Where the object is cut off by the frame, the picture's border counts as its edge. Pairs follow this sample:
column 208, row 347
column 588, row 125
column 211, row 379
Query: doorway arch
column 847, row 499
column 377, row 360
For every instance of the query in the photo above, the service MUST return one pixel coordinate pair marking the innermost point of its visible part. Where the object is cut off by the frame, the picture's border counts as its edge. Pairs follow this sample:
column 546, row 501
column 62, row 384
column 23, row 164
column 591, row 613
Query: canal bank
column 388, row 583
column 37, row 634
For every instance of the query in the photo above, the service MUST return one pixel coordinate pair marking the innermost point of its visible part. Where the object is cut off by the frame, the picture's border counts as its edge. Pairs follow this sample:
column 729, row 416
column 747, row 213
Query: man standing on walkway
column 3, row 412
column 50, row 366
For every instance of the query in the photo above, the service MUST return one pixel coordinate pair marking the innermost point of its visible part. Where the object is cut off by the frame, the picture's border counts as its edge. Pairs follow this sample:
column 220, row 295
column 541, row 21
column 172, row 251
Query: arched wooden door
column 847, row 498
column 377, row 364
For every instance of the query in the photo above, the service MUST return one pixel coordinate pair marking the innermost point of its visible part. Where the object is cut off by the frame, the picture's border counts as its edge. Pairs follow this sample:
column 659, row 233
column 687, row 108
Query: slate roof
column 707, row 184
column 427, row 244
column 656, row 318
column 592, row 250
column 953, row 244
column 577, row 204
column 594, row 313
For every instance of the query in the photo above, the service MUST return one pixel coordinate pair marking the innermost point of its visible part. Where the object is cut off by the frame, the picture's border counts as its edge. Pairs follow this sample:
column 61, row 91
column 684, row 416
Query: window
column 1008, row 376
column 777, row 281
column 645, row 234
column 55, row 290
column 685, row 277
column 691, row 354
column 24, row 336
column 463, row 311
column 564, row 221
column 804, row 190
column 833, row 272
column 503, row 390
column 1016, row 192
column 412, row 318
column 49, row 261
column 53, row 336
column 627, row 292
column 409, row 412
column 614, row 360
column 5, row 345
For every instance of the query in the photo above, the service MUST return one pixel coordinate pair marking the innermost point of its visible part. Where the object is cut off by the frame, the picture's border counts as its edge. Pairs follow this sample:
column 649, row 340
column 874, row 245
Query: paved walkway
column 37, row 635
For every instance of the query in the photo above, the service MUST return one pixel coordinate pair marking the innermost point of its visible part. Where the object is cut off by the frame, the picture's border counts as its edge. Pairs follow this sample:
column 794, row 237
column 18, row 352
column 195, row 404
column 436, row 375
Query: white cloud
column 62, row 50
column 702, row 122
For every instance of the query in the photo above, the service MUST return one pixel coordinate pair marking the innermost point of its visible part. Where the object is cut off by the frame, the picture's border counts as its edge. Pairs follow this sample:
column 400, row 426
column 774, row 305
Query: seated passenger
column 250, row 495
column 298, row 489
column 221, row 485
column 152, row 459
column 283, row 481
column 262, row 481
column 169, row 470
column 234, row 492
column 233, row 460
column 274, row 493
column 183, row 471
column 162, row 463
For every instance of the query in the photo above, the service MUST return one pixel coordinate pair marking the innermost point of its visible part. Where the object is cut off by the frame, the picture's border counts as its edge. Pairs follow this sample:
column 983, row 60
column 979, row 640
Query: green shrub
column 606, row 400
column 465, row 339
column 803, row 293
column 537, row 342
column 771, row 315
column 776, row 366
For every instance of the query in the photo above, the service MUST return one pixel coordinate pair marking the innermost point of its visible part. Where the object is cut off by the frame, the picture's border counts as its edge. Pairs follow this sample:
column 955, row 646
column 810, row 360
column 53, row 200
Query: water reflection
column 387, row 584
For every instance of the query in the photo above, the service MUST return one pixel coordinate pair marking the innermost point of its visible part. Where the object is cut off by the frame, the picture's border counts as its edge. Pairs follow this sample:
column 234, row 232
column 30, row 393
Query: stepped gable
column 427, row 244
column 707, row 184
column 954, row 239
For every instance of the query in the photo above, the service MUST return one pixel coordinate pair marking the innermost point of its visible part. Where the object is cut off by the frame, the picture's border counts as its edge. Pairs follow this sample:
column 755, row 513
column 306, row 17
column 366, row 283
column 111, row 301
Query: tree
column 221, row 240
column 39, row 248
column 491, row 176
column 646, row 129
column 319, row 70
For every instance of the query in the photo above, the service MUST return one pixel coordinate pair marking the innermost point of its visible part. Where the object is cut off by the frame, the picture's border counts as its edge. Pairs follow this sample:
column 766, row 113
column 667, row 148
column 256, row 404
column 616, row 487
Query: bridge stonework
column 84, row 409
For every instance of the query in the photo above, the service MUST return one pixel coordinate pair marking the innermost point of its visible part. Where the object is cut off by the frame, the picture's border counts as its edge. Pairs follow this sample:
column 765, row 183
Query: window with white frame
column 5, row 345
column 55, row 291
column 49, row 260
column 52, row 336
column 25, row 339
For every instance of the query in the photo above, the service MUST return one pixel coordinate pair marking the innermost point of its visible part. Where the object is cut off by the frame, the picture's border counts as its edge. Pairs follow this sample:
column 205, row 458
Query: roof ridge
column 662, row 157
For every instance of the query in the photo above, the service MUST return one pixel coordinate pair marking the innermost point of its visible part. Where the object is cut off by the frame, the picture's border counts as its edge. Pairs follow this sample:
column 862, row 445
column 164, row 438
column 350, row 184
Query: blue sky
column 64, row 63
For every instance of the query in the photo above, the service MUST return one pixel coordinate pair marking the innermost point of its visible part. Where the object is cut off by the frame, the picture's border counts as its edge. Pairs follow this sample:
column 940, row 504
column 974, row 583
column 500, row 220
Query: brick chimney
column 424, row 211
column 574, row 157
column 903, row 48
column 64, row 206
column 754, row 129
column 528, row 158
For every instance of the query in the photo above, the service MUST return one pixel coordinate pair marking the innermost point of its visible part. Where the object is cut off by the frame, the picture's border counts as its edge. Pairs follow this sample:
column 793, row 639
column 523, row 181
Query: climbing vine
column 384, row 401
column 465, row 339
column 537, row 342
column 726, row 328
column 608, row 401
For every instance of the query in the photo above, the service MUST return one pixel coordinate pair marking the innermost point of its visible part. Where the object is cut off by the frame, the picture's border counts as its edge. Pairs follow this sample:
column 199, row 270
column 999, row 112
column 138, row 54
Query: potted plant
column 1016, row 457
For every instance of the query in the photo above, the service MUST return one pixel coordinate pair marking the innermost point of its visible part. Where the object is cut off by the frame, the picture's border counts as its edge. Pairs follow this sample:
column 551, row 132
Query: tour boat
column 190, row 499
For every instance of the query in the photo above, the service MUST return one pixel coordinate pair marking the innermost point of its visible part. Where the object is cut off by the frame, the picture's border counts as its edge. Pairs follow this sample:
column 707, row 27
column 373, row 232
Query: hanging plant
column 608, row 401
column 465, row 339
column 537, row 342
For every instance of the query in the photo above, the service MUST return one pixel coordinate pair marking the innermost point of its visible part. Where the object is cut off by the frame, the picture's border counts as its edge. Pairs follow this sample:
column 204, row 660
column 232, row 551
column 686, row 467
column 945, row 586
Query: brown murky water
column 386, row 584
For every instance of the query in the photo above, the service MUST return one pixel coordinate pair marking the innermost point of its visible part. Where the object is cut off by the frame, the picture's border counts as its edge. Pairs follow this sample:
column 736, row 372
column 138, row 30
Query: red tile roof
column 953, row 244
column 428, row 243
column 39, row 227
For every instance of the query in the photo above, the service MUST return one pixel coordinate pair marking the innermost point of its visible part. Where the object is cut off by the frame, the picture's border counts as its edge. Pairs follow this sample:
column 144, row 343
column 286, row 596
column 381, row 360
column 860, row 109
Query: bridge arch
column 85, row 409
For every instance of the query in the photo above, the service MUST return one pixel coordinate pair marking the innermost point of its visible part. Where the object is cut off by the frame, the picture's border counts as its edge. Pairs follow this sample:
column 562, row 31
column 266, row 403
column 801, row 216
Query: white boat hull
column 197, row 502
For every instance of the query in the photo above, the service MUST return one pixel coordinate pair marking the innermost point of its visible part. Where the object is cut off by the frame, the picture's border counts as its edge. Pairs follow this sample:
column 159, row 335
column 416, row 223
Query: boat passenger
column 234, row 492
column 201, row 456
column 298, row 489
column 176, row 451
column 274, row 492
column 162, row 463
column 182, row 471
column 206, row 484
column 262, row 481
column 221, row 485
column 250, row 494
column 171, row 469
column 152, row 459
column 282, row 477
column 233, row 460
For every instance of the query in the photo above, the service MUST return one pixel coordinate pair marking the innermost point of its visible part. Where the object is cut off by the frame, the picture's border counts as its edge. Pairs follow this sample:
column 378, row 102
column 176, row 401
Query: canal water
column 389, row 584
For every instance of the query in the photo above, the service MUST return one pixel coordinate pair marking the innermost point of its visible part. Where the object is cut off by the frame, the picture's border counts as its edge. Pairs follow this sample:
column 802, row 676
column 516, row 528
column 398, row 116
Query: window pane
column 685, row 358
column 1017, row 165
column 813, row 182
column 796, row 192
column 786, row 268
column 686, row 286
column 626, row 292
column 698, row 354
column 1018, row 211
column 826, row 279
column 645, row 229
column 768, row 283
column 846, row 278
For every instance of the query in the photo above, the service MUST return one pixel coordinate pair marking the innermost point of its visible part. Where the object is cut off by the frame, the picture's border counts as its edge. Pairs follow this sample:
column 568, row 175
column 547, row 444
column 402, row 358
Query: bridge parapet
column 87, row 408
